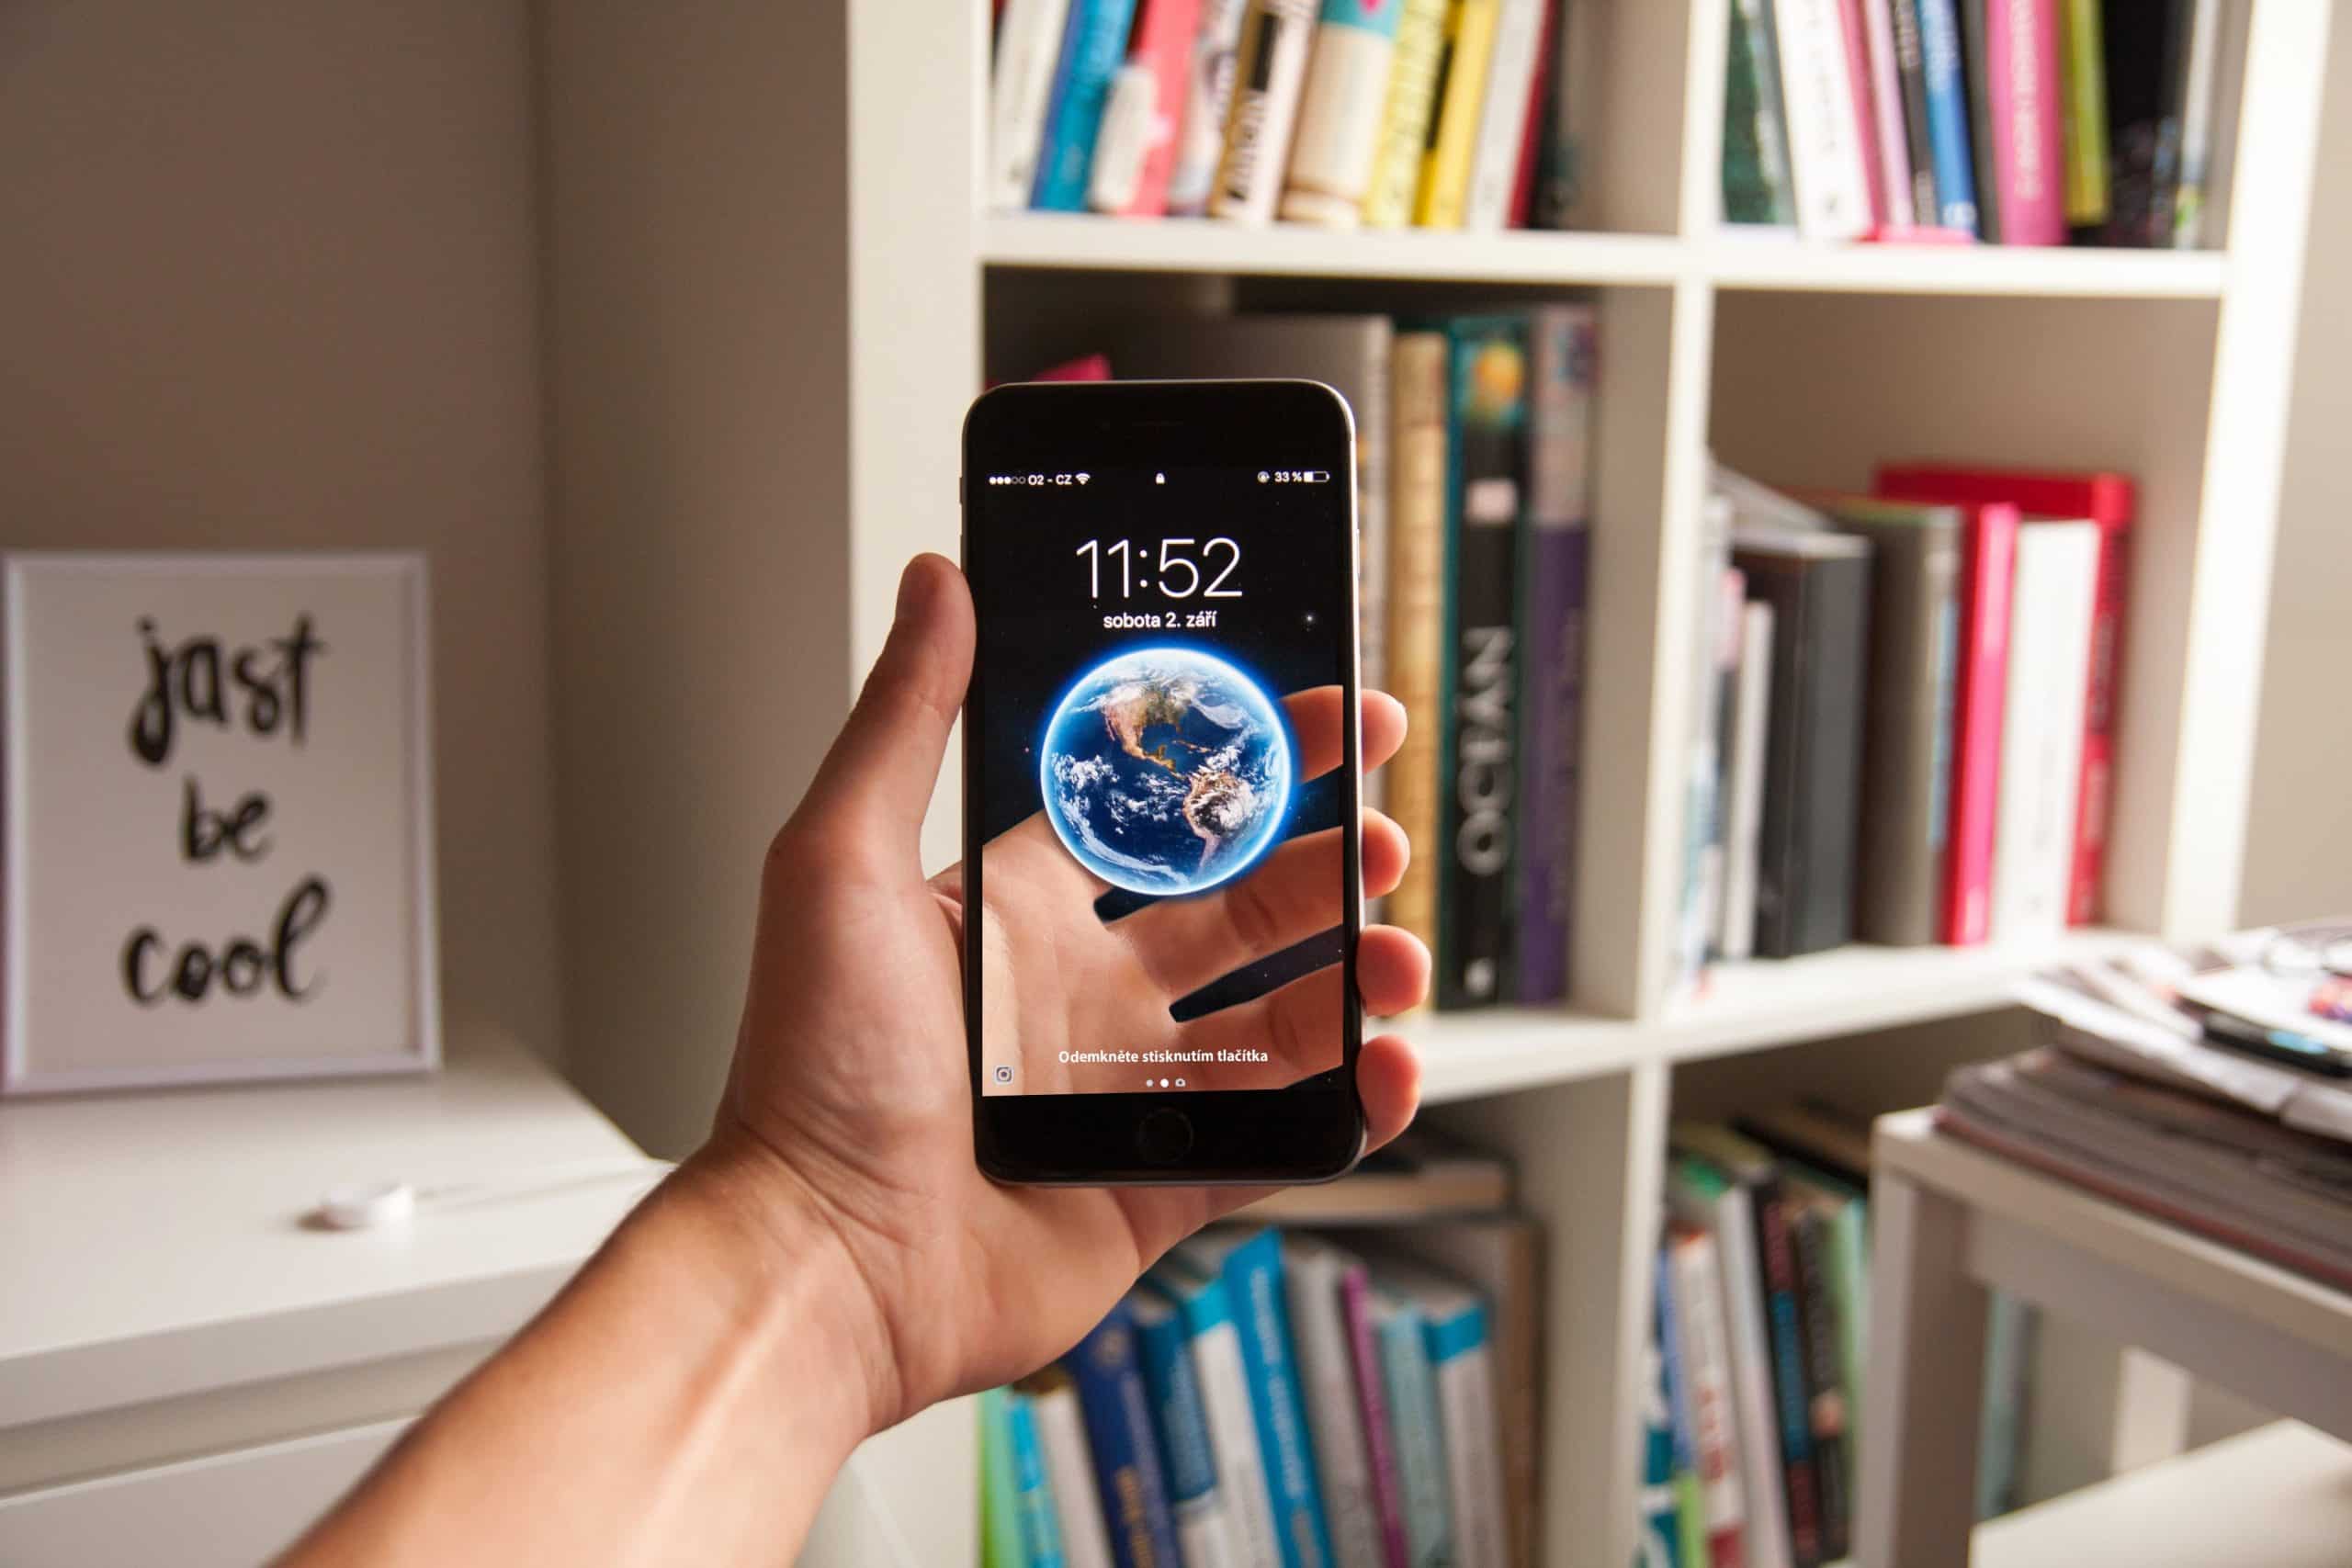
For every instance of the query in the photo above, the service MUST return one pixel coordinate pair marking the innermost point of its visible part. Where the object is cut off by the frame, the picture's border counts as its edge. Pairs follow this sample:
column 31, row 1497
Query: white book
column 1232, row 1421
column 1751, row 733
column 2196, row 118
column 1124, row 139
column 1339, row 125
column 1268, row 72
column 1028, row 48
column 1503, row 118
column 2042, row 727
column 1702, row 767
column 1208, row 94
column 1311, row 1273
column 1731, row 1219
column 1702, row 1338
column 1463, row 1362
column 1817, row 99
column 1069, row 1473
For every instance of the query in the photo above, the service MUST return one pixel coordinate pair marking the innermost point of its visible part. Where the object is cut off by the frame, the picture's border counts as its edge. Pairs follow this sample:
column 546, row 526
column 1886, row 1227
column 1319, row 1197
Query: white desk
column 187, row 1373
column 1951, row 1222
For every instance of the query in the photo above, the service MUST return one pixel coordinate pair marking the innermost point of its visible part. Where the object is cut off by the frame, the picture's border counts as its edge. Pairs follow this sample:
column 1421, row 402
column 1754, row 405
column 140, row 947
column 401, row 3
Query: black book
column 1911, row 70
column 1820, row 588
column 1980, row 120
column 2145, row 47
column 1826, row 1393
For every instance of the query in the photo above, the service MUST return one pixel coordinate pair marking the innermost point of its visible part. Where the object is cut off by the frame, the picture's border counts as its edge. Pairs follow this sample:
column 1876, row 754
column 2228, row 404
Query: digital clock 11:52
column 1173, row 569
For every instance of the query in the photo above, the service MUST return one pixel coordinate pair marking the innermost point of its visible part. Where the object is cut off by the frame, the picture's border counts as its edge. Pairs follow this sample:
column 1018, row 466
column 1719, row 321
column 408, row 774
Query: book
column 1854, row 33
column 1833, row 195
column 2042, row 746
column 1554, row 554
column 1818, row 586
column 1897, row 194
column 1204, row 1524
column 1661, row 1541
column 1227, row 1407
column 1416, row 1429
column 1827, row 1394
column 1534, row 123
column 1728, row 635
column 1357, row 1310
column 999, row 1511
column 1405, row 113
column 1702, row 1331
column 1069, row 1468
column 1702, row 1195
column 1453, row 1325
column 1503, row 114
column 1910, row 708
column 1093, row 44
column 1980, row 740
column 1744, row 812
column 2010, row 1334
column 1419, row 377
column 1701, row 766
column 2082, row 76
column 1315, row 1277
column 1756, row 186
column 1443, row 196
column 1033, row 1492
column 2111, row 502
column 1028, row 53
column 2021, row 92
column 1135, row 153
column 1832, row 1144
column 1252, row 1269
column 1340, row 113
column 1674, row 1381
column 1420, row 1174
column 1209, row 92
column 2145, row 51
column 1945, row 85
column 1577, row 61
column 1477, row 724
column 1108, row 1373
column 1846, row 1213
column 1268, row 72
column 2199, row 79
column 1911, row 85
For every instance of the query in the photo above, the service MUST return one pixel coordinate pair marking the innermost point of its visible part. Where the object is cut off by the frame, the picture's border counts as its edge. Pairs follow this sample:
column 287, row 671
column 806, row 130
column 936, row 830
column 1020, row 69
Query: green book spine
column 2083, row 64
column 1756, row 158
column 1690, row 1516
column 1849, row 1282
column 999, row 1512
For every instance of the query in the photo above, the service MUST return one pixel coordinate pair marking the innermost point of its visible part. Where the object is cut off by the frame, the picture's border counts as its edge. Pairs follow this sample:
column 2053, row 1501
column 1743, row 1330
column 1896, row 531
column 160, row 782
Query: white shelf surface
column 1763, row 1002
column 1767, row 261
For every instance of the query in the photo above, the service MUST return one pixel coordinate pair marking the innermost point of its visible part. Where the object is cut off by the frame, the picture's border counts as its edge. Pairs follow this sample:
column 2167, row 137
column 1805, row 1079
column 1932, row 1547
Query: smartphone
column 1161, row 782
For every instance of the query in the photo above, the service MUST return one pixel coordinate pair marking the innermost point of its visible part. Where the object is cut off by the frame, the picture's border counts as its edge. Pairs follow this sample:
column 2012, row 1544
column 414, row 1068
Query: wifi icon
column 1083, row 478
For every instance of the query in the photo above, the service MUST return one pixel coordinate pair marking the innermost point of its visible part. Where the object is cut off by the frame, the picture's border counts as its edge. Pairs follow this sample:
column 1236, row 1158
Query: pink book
column 1987, row 569
column 1895, row 208
column 2022, row 97
column 1857, row 77
column 1372, row 1395
column 1163, row 44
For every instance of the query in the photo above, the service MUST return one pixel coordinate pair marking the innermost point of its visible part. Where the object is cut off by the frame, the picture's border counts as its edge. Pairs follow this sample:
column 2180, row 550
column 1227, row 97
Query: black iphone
column 1161, row 782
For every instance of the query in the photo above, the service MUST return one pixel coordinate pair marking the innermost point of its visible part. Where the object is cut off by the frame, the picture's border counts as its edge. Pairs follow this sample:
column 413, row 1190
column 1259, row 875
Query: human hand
column 849, row 1100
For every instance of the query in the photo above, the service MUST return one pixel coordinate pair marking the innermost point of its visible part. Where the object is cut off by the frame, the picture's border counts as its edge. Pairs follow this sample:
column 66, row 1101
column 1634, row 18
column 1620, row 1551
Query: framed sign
column 219, row 826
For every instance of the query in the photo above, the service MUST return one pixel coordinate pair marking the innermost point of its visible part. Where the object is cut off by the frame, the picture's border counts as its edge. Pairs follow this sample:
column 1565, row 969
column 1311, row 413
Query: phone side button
column 1164, row 1137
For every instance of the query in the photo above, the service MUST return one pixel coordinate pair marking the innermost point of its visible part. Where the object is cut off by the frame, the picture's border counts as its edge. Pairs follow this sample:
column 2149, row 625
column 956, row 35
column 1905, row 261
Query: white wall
column 2298, row 840
column 268, row 276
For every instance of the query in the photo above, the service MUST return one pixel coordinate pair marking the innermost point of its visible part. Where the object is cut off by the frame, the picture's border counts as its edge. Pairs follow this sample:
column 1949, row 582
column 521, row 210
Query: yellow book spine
column 1418, row 376
column 1404, row 121
column 1445, row 178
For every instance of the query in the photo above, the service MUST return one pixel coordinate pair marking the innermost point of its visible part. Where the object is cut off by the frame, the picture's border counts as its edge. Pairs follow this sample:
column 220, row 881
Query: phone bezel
column 1309, row 1131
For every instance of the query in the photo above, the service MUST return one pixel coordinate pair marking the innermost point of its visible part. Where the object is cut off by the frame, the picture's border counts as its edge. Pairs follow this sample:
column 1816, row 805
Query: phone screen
column 1160, row 731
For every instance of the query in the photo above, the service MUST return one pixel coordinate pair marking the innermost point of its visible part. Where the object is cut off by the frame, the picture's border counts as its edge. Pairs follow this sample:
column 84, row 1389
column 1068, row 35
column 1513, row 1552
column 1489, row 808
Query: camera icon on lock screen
column 1004, row 1075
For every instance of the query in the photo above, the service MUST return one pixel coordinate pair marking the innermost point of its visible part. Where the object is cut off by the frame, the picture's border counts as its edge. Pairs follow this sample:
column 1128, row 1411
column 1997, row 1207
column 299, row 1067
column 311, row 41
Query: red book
column 2111, row 501
column 1530, row 136
column 1858, row 73
column 1163, row 44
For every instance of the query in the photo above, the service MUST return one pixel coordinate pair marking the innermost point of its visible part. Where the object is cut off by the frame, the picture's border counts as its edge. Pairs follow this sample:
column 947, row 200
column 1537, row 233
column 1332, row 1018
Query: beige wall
column 2299, row 839
column 268, row 277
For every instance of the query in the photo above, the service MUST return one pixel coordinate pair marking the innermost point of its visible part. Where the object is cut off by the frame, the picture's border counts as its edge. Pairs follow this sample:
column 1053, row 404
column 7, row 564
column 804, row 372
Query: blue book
column 1223, row 1380
column 1416, row 1427
column 1033, row 1492
column 1677, row 1388
column 1180, row 1420
column 1094, row 40
column 1252, row 1272
column 1947, row 124
column 1107, row 1367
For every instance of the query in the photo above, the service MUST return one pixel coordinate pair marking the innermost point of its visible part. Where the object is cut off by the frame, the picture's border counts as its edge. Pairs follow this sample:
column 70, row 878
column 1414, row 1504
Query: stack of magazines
column 2212, row 1090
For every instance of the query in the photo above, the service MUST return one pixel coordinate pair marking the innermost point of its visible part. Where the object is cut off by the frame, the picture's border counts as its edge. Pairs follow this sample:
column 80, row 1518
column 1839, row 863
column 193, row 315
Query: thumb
column 880, row 773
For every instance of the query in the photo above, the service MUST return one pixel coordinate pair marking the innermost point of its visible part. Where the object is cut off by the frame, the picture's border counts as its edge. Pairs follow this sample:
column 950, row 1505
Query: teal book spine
column 1092, row 50
column 999, row 1511
column 1033, row 1492
column 1253, row 1280
column 1419, row 1433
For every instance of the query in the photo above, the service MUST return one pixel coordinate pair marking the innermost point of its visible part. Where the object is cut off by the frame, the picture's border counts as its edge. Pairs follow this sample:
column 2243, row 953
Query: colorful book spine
column 1033, row 1492
column 1704, row 1196
column 1269, row 73
column 1833, row 196
column 1028, row 52
column 1540, row 96
column 1340, row 113
column 1181, row 1423
column 1854, row 33
column 1705, row 1329
column 1776, row 1250
column 1886, row 110
column 1563, row 357
column 1946, row 88
column 1069, row 1468
column 1416, row 598
column 1478, row 771
column 1911, row 81
column 1827, row 1394
column 1209, row 92
column 1357, row 1307
column 1093, row 47
column 1757, row 185
column 1503, row 115
column 2082, row 59
column 2021, row 47
column 1252, row 1272
column 1313, row 1276
column 1660, row 1546
column 999, row 1511
column 1445, row 191
column 1226, row 1406
column 1135, row 151
column 1464, row 1368
column 1417, row 1426
column 1109, row 1376
column 1405, row 115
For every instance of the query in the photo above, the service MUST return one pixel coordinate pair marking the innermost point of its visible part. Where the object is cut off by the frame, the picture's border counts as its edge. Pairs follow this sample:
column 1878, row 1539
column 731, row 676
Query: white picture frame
column 108, row 798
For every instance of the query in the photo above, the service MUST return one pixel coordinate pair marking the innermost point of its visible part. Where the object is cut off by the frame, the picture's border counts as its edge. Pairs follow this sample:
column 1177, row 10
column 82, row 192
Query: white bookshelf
column 773, row 291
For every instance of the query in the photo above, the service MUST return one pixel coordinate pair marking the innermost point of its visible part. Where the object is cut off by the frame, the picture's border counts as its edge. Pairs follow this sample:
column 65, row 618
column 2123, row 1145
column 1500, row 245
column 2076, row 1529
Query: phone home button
column 1164, row 1137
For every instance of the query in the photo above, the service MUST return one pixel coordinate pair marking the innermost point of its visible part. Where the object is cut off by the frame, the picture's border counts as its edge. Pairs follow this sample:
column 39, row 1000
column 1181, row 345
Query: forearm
column 688, row 1397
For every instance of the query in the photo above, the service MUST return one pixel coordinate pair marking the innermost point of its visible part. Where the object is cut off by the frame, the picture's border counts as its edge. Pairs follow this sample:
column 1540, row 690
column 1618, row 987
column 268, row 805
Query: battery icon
column 1317, row 476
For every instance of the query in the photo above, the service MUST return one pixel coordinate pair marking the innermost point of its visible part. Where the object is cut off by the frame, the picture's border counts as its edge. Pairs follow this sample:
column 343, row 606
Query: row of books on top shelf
column 1903, row 713
column 1474, row 491
column 2212, row 1088
column 1759, row 1344
column 1360, row 1396
column 1436, row 114
column 2021, row 122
